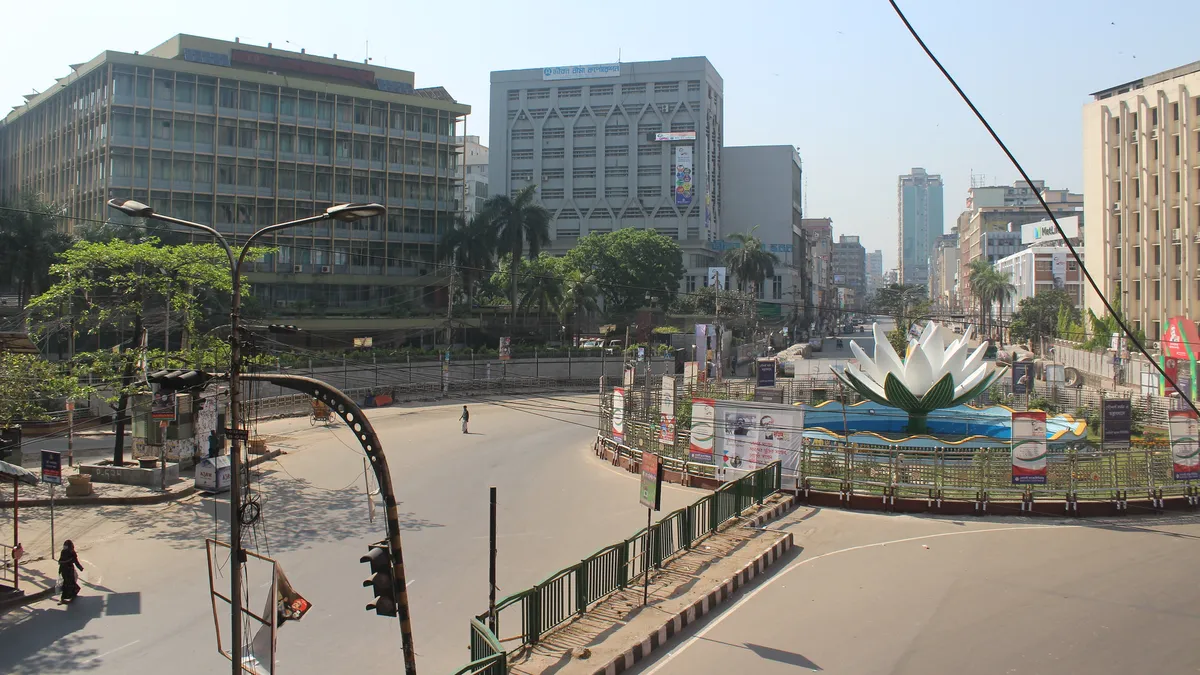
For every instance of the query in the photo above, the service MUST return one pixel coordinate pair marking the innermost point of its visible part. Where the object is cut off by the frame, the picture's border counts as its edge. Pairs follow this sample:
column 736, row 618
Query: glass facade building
column 241, row 136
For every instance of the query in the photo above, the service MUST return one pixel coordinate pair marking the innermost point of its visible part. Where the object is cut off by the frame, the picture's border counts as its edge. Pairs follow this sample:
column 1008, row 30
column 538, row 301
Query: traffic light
column 381, row 582
column 179, row 380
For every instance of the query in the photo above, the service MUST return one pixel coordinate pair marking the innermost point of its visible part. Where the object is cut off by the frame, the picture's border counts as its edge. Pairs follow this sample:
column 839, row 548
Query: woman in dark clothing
column 68, row 560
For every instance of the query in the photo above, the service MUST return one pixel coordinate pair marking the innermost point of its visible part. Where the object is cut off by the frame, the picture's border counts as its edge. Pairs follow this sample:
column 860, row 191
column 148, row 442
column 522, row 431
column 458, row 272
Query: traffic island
column 149, row 474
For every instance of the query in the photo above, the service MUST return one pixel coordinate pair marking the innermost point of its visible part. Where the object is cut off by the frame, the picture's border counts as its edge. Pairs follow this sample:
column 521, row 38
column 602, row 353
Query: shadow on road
column 46, row 639
column 790, row 658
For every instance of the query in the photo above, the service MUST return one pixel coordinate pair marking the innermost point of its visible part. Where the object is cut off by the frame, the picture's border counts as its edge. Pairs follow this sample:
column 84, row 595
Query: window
column 162, row 130
column 617, row 151
column 248, row 100
column 522, row 154
column 585, row 193
column 554, row 133
column 644, row 129
column 536, row 94
column 552, row 173
column 644, row 171
column 163, row 90
column 1157, row 254
column 627, row 89
column 522, row 134
column 514, row 94
column 522, row 174
column 1118, row 258
column 1178, row 254
column 1137, row 289
column 616, row 192
column 583, row 172
column 552, row 193
column 182, row 170
column 616, row 171
column 666, row 87
column 616, row 130
column 649, row 191
column 693, row 85
column 648, row 150
column 548, row 153
column 1178, row 289
column 1157, row 290
column 683, row 126
column 607, row 90
column 585, row 152
column 570, row 92
column 183, row 131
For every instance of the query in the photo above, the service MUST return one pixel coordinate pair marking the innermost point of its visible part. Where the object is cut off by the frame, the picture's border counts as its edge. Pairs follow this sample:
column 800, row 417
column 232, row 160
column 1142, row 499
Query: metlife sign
column 581, row 72
column 1043, row 231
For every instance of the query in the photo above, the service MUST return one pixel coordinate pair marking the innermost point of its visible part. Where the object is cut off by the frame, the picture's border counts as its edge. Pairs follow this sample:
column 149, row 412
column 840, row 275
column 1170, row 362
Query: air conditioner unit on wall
column 326, row 269
column 297, row 268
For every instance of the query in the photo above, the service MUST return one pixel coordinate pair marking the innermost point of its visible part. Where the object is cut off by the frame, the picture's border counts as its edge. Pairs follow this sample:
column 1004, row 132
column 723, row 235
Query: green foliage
column 749, row 262
column 899, row 341
column 1042, row 315
column 30, row 385
column 734, row 305
column 628, row 265
column 471, row 247
column 1101, row 329
column 905, row 303
column 29, row 241
column 990, row 287
column 1042, row 403
column 518, row 223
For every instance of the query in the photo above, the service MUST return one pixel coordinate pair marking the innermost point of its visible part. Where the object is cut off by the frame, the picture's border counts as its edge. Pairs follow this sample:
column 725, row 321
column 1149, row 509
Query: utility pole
column 450, row 311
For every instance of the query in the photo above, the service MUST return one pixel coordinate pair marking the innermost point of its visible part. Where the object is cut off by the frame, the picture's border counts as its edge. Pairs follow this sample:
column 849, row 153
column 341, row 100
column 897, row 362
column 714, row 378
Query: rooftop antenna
column 618, row 54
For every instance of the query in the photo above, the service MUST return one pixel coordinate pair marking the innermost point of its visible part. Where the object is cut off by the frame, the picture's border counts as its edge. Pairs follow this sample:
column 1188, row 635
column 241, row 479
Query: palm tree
column 29, row 243
column 990, row 287
column 750, row 262
column 518, row 222
column 579, row 295
column 543, row 287
column 470, row 246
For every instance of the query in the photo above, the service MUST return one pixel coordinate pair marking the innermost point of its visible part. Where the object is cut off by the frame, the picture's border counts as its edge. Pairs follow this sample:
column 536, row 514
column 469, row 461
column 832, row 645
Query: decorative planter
column 257, row 446
column 147, row 462
column 79, row 485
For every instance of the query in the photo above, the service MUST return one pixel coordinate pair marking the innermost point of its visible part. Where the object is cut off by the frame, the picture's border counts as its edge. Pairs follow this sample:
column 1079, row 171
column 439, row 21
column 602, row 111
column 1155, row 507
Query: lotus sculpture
column 937, row 372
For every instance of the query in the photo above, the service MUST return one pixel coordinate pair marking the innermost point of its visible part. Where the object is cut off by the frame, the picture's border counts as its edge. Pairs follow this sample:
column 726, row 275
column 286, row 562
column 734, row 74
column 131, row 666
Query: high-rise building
column 874, row 271
column 1141, row 177
column 762, row 195
column 943, row 277
column 615, row 145
column 824, row 296
column 473, row 169
column 993, row 214
column 850, row 268
column 919, row 198
column 240, row 136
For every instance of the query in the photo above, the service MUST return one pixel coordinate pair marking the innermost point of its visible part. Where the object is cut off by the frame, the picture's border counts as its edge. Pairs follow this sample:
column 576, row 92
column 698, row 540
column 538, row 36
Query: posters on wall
column 666, row 411
column 1117, row 421
column 618, row 415
column 683, row 175
column 1030, row 461
column 1185, row 444
column 703, row 430
column 752, row 435
column 164, row 406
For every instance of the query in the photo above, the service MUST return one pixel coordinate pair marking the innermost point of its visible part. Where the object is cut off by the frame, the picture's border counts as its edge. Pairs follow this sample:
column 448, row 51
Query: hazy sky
column 841, row 80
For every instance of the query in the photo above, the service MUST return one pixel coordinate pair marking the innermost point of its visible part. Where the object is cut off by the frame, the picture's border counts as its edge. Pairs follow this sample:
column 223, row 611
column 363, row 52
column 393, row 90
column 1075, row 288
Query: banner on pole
column 1184, row 428
column 1022, row 377
column 1030, row 461
column 666, row 411
column 505, row 348
column 1118, row 420
column 650, row 494
column 618, row 414
column 703, row 430
column 52, row 467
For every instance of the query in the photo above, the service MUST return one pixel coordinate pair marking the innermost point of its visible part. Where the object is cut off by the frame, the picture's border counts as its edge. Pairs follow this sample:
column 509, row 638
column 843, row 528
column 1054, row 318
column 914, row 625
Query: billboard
column 163, row 406
column 650, row 492
column 1030, row 460
column 1117, row 420
column 1043, row 231
column 673, row 136
column 766, row 372
column 703, row 430
column 618, row 415
column 1022, row 377
column 683, row 175
column 752, row 435
column 581, row 72
column 1185, row 450
column 666, row 411
column 717, row 277
column 505, row 350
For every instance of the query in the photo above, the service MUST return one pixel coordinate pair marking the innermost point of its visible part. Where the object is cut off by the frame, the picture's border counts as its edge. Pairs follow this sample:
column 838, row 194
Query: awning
column 12, row 472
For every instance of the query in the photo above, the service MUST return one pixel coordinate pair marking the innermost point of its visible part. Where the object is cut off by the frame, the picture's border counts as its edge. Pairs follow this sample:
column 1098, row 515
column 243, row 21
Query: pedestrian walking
column 466, row 417
column 68, row 560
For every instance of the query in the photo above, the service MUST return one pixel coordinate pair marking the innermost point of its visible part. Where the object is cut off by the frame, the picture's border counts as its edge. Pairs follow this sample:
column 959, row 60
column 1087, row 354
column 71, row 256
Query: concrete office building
column 1040, row 268
column 473, row 170
column 242, row 136
column 824, row 298
column 943, row 277
column 1141, row 174
column 762, row 194
column 874, row 271
column 613, row 146
column 850, row 269
column 919, row 200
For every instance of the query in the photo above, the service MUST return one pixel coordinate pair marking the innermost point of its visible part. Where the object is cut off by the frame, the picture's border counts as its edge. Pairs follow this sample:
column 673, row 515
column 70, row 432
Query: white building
column 1041, row 268
column 473, row 169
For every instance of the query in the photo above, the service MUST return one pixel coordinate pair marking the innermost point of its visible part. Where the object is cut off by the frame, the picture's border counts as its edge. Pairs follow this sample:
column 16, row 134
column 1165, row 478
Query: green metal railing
column 573, row 590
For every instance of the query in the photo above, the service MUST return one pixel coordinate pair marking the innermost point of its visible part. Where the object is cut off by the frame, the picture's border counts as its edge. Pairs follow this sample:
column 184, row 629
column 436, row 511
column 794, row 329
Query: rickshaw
column 319, row 413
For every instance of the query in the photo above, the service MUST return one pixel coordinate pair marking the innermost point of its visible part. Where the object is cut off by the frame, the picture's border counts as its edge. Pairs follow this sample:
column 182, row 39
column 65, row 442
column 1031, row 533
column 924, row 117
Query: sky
column 842, row 81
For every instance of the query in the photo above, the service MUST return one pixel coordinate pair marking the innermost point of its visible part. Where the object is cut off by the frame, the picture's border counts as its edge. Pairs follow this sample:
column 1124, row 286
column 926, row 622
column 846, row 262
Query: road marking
column 799, row 563
column 410, row 583
column 99, row 577
column 108, row 653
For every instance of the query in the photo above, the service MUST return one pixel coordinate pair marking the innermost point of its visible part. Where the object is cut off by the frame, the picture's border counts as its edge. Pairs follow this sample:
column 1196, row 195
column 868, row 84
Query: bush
column 1042, row 403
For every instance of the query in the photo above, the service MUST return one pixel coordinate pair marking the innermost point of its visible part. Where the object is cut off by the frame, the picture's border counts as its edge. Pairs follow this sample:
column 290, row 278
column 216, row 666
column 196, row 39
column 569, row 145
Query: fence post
column 535, row 612
column 623, row 565
column 685, row 527
column 581, row 587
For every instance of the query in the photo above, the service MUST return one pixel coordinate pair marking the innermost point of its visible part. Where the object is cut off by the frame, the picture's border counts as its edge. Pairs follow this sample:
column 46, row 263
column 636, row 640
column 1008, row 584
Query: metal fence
column 529, row 614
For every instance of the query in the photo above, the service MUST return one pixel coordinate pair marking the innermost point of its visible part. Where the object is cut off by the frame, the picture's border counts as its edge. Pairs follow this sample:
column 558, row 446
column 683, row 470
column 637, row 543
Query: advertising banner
column 666, row 411
column 716, row 277
column 1022, row 377
column 650, row 494
column 752, row 435
column 674, row 136
column 163, row 406
column 52, row 467
column 618, row 416
column 1117, row 420
column 505, row 348
column 683, row 175
column 629, row 377
column 1185, row 444
column 702, row 332
column 1029, row 454
column 703, row 430
column 766, row 372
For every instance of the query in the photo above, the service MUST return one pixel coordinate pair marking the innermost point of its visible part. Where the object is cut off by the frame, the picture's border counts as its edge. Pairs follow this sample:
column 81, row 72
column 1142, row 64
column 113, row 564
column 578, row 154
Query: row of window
column 583, row 152
column 599, row 111
column 602, row 90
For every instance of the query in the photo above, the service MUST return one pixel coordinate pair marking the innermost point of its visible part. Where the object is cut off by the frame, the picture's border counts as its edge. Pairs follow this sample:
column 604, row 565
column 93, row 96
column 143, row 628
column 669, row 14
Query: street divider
column 526, row 616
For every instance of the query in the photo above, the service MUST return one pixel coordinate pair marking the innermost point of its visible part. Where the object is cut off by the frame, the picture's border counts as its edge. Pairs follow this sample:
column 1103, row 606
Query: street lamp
column 340, row 212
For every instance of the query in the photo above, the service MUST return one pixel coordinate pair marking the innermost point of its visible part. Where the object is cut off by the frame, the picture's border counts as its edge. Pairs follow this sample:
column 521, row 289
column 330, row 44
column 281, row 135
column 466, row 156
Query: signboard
column 766, row 372
column 666, row 411
column 703, row 430
column 674, row 136
column 650, row 493
column 581, row 72
column 163, row 405
column 752, row 435
column 1022, row 377
column 641, row 353
column 294, row 65
column 618, row 415
column 1185, row 449
column 691, row 371
column 716, row 277
column 505, row 348
column 1056, row 373
column 630, row 374
column 214, row 473
column 364, row 342
column 839, row 279
column 1116, row 420
column 1030, row 461
column 52, row 467
column 1043, row 231
column 768, row 395
column 683, row 175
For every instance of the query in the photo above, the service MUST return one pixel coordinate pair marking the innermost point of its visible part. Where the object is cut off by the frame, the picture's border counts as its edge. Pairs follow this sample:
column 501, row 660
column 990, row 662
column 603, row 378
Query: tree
column 905, row 303
column 750, row 262
column 30, row 384
column 542, row 284
column 989, row 286
column 471, row 247
column 126, row 289
column 628, row 265
column 518, row 223
column 29, row 241
column 1043, row 316
column 1101, row 330
column 579, row 296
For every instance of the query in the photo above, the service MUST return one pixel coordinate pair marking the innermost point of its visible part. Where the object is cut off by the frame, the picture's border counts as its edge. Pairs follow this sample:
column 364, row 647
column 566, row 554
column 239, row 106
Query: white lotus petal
column 866, row 363
column 935, row 349
column 975, row 358
column 886, row 359
column 866, row 381
column 956, row 358
column 918, row 373
column 971, row 380
column 966, row 335
column 927, row 333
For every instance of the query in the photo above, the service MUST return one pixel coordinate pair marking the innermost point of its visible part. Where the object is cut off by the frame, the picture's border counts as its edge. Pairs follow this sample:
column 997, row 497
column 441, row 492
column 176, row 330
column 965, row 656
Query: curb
column 157, row 498
column 772, row 513
column 700, row 608
column 27, row 599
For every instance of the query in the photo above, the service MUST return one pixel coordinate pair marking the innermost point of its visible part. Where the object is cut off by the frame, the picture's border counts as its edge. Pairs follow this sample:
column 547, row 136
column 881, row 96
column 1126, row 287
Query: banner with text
column 1030, row 461
column 703, row 430
column 683, row 175
column 618, row 415
column 1185, row 444
column 666, row 411
column 752, row 435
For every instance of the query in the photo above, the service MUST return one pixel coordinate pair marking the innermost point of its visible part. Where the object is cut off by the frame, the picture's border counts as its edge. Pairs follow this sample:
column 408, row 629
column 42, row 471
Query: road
column 145, row 606
column 883, row 594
